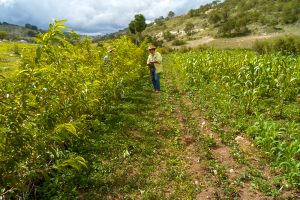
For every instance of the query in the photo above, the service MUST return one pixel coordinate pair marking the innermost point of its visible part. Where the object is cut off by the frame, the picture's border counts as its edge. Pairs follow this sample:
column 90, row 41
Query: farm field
column 224, row 126
column 10, row 56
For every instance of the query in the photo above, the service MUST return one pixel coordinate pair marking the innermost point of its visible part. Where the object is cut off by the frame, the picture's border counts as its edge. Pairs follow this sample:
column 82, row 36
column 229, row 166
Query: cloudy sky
column 90, row 16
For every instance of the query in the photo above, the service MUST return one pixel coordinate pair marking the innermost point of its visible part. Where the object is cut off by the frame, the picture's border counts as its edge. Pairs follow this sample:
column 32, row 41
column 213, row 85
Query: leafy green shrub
column 16, row 49
column 286, row 45
column 291, row 12
column 184, row 49
column 214, row 17
column 234, row 27
column 188, row 29
column 178, row 42
column 3, row 35
column 166, row 50
column 153, row 40
column 168, row 36
column 47, row 108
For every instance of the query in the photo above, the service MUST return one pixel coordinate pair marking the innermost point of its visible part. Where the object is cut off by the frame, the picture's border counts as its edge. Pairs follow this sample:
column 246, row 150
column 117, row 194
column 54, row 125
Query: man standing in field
column 154, row 62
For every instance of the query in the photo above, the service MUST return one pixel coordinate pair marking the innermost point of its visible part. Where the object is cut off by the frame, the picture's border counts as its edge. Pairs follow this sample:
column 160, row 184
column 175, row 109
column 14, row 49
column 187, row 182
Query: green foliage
column 46, row 107
column 234, row 27
column 202, row 10
column 31, row 33
column 178, row 42
column 159, row 21
column 214, row 18
column 282, row 143
column 14, row 32
column 168, row 36
column 3, row 35
column 153, row 40
column 16, row 49
column 291, row 12
column 188, row 29
column 286, row 45
column 233, row 16
column 255, row 94
column 171, row 14
column 193, row 13
column 29, row 26
column 138, row 24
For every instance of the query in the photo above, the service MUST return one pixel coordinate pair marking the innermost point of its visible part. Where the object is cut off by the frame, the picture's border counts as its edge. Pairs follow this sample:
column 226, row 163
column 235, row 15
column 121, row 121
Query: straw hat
column 151, row 47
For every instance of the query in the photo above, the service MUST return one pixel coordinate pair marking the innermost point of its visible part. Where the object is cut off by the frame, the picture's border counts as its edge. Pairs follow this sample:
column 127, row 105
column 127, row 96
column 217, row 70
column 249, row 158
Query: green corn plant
column 233, row 85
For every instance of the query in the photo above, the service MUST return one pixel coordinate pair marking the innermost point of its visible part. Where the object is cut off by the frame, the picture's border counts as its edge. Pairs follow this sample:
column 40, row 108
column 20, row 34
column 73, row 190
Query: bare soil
column 197, row 164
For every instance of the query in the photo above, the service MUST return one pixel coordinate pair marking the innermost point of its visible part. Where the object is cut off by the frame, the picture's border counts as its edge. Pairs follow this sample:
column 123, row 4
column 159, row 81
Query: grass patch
column 10, row 56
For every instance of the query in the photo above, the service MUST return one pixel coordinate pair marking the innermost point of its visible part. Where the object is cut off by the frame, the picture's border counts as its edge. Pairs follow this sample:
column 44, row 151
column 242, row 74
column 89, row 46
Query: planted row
column 255, row 94
column 46, row 109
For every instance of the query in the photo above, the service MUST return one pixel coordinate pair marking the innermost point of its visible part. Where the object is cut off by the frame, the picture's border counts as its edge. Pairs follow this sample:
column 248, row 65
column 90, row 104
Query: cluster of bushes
column 200, row 12
column 3, row 35
column 233, row 28
column 33, row 27
column 168, row 36
column 178, row 42
column 53, row 107
column 286, row 45
column 233, row 16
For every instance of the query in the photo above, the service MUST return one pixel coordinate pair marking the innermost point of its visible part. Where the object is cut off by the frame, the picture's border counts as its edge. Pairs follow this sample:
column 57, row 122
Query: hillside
column 229, row 19
column 15, row 32
column 225, row 124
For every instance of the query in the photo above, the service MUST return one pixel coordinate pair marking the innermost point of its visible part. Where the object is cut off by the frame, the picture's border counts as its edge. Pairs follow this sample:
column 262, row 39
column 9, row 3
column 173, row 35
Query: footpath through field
column 162, row 147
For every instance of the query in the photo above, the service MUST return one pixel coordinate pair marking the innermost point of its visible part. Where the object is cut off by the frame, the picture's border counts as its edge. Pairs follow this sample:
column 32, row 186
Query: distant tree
column 171, row 14
column 3, row 35
column 226, row 28
column 137, row 26
column 34, row 28
column 225, row 14
column 28, row 26
column 178, row 42
column 291, row 12
column 31, row 33
column 194, row 12
column 168, row 36
column 188, row 29
column 214, row 17
column 153, row 40
column 214, row 3
column 159, row 21
column 234, row 27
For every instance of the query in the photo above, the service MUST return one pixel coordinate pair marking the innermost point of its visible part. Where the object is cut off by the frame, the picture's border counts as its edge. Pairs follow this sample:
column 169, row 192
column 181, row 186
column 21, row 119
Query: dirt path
column 244, row 41
column 210, row 161
column 162, row 147
column 195, row 43
column 221, row 167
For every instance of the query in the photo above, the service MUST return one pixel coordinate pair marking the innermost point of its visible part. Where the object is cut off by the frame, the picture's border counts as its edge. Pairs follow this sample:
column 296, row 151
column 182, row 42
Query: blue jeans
column 155, row 77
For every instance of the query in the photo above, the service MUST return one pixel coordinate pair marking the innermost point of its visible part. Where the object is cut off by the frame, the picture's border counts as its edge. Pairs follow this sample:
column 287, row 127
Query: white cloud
column 88, row 16
column 6, row 3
